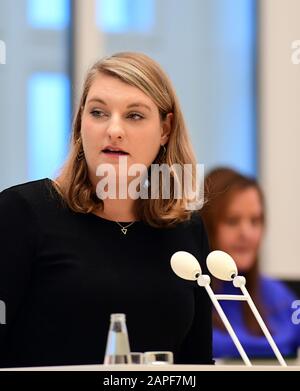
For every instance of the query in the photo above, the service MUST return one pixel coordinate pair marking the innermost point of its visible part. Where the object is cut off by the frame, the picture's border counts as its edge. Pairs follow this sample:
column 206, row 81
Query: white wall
column 88, row 42
column 280, row 135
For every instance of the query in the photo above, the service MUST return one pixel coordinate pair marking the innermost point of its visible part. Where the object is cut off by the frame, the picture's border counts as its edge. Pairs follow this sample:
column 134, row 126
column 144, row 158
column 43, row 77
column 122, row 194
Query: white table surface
column 122, row 367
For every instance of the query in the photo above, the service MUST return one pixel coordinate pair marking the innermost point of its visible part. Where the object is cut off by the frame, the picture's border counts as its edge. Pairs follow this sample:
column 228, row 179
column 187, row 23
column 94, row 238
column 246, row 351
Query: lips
column 242, row 249
column 110, row 150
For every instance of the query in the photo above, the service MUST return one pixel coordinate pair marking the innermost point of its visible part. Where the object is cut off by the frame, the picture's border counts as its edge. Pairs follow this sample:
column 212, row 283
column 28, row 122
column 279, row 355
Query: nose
column 245, row 229
column 115, row 128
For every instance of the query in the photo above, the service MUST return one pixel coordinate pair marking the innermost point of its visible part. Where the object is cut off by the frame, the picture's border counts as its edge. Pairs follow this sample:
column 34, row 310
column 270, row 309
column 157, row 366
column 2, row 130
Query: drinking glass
column 136, row 358
column 158, row 358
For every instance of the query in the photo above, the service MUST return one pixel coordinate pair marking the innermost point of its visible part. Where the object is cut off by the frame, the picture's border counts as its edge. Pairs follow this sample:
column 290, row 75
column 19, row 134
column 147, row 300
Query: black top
column 63, row 273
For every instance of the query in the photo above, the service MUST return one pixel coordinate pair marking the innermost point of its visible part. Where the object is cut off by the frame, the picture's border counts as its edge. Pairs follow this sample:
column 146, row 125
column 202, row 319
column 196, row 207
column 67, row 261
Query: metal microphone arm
column 240, row 282
column 204, row 280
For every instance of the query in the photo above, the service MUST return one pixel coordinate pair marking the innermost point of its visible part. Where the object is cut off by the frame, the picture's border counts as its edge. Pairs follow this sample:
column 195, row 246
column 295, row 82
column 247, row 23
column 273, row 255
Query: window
column 48, row 14
column 121, row 16
column 48, row 123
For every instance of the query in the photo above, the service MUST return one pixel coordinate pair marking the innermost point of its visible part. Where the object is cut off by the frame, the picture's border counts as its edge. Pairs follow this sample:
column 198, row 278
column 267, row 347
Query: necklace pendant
column 124, row 230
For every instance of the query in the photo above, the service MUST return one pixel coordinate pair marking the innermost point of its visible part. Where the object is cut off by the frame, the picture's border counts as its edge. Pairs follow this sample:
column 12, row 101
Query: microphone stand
column 239, row 282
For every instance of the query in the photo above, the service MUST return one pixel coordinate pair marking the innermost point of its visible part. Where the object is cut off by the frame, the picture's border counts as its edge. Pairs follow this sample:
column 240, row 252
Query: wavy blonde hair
column 138, row 70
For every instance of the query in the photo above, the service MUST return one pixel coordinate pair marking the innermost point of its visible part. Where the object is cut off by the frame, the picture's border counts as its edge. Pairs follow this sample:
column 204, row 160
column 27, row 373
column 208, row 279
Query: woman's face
column 120, row 116
column 240, row 232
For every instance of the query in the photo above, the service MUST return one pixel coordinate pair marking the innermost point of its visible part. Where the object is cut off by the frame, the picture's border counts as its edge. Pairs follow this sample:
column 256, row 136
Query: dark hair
column 221, row 185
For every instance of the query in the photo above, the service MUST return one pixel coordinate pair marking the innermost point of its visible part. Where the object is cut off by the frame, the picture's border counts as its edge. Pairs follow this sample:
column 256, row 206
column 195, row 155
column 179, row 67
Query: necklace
column 124, row 228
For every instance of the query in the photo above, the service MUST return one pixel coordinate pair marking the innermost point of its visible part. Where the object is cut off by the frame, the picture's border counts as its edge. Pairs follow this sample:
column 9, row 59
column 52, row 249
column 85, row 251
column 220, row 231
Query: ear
column 166, row 128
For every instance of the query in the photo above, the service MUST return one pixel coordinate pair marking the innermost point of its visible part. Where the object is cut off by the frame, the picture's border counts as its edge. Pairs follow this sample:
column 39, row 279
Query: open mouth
column 118, row 153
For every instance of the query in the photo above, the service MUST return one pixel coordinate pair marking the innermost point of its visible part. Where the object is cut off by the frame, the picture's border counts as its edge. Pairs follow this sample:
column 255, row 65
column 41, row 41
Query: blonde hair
column 140, row 71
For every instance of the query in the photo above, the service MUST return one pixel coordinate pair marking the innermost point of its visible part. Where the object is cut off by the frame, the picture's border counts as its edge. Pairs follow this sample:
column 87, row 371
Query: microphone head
column 221, row 265
column 185, row 265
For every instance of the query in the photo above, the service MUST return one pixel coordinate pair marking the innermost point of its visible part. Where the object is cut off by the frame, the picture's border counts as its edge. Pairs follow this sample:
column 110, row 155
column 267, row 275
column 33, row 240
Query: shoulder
column 195, row 234
column 194, row 223
column 197, row 228
column 193, row 227
column 276, row 290
column 28, row 188
column 28, row 193
column 26, row 201
column 18, row 209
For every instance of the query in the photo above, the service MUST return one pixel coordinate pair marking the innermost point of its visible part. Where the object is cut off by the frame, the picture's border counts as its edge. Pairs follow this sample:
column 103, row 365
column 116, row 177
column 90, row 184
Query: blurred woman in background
column 234, row 217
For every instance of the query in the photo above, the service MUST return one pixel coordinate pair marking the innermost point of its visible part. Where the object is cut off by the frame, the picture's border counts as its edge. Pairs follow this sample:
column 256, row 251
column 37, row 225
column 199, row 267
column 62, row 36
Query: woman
column 235, row 220
column 70, row 256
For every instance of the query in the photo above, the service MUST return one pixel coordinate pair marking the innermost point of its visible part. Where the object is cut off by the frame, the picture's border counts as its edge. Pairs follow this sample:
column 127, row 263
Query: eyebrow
column 131, row 105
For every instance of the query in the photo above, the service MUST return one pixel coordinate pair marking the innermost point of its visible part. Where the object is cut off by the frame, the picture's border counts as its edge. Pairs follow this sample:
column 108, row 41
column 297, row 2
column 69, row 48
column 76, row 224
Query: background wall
column 35, row 93
column 279, row 83
column 208, row 48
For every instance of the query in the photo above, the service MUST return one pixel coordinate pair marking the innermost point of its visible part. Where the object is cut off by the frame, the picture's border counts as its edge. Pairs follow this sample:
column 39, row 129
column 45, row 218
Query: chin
column 244, row 263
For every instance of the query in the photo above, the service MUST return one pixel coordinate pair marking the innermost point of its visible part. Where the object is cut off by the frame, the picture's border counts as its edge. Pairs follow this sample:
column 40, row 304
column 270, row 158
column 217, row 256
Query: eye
column 135, row 116
column 256, row 221
column 97, row 113
column 232, row 221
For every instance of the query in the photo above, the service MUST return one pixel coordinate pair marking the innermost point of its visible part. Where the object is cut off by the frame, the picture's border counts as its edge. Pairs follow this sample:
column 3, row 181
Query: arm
column 17, row 251
column 197, row 347
column 277, row 301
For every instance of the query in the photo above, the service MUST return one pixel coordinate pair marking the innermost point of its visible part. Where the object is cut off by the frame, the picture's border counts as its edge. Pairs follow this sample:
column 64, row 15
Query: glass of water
column 158, row 358
column 136, row 358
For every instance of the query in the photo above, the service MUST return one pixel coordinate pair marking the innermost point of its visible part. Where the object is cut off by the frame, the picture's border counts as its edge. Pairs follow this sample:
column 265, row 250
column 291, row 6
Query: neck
column 118, row 210
column 114, row 209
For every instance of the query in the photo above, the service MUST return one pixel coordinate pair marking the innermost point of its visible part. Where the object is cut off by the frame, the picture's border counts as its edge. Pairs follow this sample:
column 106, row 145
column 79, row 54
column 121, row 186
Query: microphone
column 185, row 265
column 222, row 266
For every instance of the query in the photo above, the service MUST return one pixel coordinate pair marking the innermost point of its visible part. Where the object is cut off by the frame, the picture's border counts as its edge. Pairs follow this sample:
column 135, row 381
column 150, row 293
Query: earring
column 80, row 155
column 162, row 153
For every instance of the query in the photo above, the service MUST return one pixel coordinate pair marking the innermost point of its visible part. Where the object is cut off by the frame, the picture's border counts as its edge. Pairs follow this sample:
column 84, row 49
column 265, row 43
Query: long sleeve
column 202, row 325
column 277, row 300
column 17, row 244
